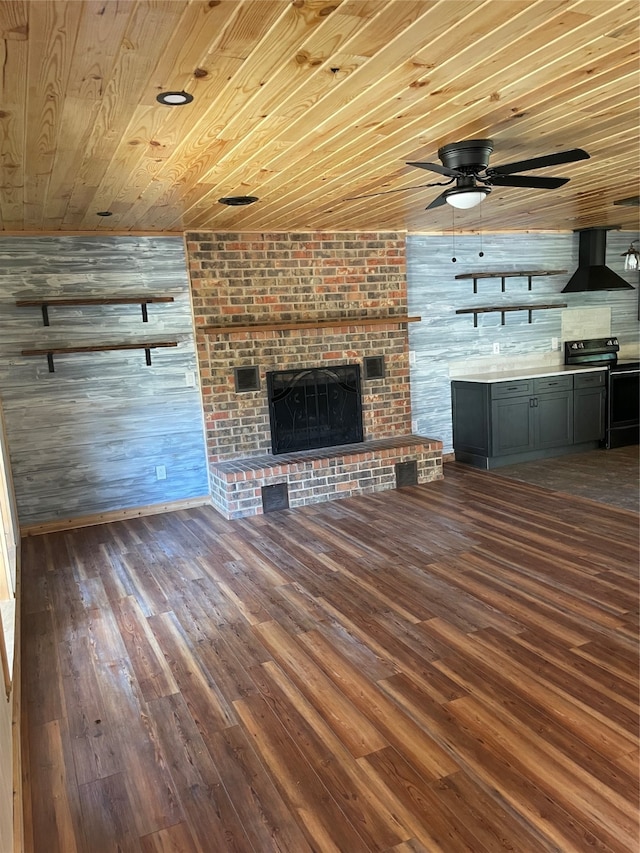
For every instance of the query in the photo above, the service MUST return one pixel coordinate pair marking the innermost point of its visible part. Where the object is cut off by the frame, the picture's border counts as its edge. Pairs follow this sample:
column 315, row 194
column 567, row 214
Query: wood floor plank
column 43, row 687
column 264, row 815
column 54, row 792
column 108, row 816
column 93, row 733
column 448, row 667
column 150, row 789
column 524, row 711
column 598, row 702
column 593, row 809
column 494, row 824
column 539, row 813
column 598, row 676
column 174, row 839
column 599, row 732
column 426, row 754
column 147, row 658
column 325, row 824
column 212, row 822
column 442, row 831
column 355, row 730
column 192, row 680
column 331, row 761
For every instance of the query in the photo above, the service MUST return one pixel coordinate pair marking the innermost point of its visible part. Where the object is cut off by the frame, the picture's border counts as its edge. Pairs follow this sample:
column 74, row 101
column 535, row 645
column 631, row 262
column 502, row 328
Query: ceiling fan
column 467, row 164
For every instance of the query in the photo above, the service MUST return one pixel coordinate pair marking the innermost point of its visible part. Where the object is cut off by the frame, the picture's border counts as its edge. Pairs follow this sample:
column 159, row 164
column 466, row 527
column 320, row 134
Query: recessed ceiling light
column 174, row 99
column 238, row 200
column 632, row 201
column 104, row 213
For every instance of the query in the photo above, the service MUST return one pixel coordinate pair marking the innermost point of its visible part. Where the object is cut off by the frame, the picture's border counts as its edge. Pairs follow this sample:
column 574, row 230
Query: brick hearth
column 313, row 476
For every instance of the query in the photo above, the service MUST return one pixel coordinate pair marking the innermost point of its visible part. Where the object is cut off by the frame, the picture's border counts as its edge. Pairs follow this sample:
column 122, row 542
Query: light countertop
column 527, row 373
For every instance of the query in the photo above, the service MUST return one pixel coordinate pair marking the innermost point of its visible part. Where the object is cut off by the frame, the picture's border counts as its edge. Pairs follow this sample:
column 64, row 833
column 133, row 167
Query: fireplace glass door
column 315, row 407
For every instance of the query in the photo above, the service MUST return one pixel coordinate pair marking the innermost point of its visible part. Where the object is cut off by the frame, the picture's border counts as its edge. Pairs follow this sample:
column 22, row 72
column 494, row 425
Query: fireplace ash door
column 316, row 407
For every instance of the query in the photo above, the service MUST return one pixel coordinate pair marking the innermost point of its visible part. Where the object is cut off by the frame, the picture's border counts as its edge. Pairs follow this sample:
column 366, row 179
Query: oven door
column 623, row 407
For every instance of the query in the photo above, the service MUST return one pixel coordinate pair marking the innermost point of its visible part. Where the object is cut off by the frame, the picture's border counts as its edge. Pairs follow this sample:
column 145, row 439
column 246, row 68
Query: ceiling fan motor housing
column 469, row 156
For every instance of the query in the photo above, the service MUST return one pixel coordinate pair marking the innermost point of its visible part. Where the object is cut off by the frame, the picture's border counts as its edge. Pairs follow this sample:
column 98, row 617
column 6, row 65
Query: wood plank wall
column 87, row 438
column 445, row 343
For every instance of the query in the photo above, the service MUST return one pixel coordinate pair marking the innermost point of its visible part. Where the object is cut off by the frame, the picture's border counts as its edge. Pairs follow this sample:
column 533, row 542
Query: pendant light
column 631, row 257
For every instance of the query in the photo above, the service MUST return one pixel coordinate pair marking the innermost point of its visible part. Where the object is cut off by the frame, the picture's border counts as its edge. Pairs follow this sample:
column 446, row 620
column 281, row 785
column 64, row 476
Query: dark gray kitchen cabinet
column 553, row 405
column 589, row 406
column 512, row 425
column 500, row 423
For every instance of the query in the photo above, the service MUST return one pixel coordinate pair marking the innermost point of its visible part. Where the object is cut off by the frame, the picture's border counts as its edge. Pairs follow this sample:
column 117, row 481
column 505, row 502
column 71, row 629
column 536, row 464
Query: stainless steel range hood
column 592, row 273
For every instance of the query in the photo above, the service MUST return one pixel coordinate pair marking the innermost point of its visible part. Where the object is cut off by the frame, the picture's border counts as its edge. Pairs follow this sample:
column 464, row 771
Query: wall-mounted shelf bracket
column 503, row 309
column 142, row 301
column 529, row 274
column 147, row 346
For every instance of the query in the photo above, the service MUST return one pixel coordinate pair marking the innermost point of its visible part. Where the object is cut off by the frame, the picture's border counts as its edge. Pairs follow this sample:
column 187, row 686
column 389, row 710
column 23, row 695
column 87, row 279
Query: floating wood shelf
column 147, row 346
column 142, row 301
column 311, row 324
column 504, row 308
column 507, row 274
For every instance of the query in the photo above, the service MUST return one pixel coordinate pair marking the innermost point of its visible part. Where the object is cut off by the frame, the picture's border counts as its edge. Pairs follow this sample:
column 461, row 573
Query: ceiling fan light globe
column 464, row 199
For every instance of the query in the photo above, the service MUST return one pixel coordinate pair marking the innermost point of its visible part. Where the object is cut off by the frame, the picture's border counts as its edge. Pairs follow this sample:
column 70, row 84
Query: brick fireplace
column 310, row 300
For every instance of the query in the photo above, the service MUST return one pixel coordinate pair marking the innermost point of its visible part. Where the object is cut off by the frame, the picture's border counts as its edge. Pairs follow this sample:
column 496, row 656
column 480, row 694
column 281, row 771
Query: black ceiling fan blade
column 438, row 201
column 571, row 156
column 436, row 167
column 527, row 181
column 386, row 192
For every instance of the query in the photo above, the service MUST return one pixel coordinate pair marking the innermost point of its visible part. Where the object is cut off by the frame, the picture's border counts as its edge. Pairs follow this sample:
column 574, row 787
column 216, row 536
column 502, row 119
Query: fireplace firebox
column 314, row 407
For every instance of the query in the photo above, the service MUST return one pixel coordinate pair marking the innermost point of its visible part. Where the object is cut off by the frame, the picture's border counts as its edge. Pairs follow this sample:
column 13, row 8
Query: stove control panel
column 592, row 351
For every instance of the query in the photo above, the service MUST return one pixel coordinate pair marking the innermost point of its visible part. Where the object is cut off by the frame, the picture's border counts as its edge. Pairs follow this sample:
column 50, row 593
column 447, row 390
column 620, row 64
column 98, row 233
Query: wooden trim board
column 113, row 515
column 338, row 323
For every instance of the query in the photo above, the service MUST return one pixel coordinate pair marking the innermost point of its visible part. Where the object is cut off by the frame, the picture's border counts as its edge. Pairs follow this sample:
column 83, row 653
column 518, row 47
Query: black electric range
column 622, row 423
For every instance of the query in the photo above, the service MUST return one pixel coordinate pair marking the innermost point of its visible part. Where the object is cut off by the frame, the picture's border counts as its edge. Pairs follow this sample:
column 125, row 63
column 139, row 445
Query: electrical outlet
column 414, row 427
column 161, row 472
column 554, row 343
column 496, row 348
column 190, row 379
column 412, row 356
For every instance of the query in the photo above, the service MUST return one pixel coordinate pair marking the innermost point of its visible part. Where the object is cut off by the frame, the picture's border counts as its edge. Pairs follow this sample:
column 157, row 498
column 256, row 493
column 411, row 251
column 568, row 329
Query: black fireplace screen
column 316, row 407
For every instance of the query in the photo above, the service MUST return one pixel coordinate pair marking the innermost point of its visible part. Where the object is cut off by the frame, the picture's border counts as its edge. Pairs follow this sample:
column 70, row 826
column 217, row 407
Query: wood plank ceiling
column 305, row 104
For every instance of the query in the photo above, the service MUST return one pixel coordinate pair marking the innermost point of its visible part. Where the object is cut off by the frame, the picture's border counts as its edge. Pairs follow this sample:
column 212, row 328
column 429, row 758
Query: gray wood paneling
column 444, row 338
column 88, row 437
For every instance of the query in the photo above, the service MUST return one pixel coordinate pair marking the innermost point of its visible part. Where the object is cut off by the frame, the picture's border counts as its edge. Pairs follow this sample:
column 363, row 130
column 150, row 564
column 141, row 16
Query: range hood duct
column 592, row 273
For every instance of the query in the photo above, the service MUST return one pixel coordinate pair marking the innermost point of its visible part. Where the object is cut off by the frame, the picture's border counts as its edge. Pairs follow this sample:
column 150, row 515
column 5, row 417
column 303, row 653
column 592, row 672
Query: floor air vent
column 275, row 497
column 406, row 474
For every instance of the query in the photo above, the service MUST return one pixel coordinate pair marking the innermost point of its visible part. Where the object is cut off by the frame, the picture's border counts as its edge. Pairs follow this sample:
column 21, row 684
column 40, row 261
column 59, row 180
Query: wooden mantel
column 338, row 323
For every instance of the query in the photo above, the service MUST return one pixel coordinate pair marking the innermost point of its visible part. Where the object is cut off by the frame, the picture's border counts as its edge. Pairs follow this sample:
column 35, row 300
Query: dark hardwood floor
column 607, row 476
column 446, row 667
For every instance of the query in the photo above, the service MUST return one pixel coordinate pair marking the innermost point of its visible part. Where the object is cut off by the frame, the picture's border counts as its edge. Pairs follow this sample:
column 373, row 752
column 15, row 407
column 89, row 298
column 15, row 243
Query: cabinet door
column 470, row 417
column 554, row 419
column 512, row 425
column 588, row 414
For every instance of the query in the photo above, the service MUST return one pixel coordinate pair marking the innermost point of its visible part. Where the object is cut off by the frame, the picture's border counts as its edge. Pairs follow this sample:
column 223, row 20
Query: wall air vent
column 406, row 474
column 275, row 497
column 373, row 367
column 246, row 379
